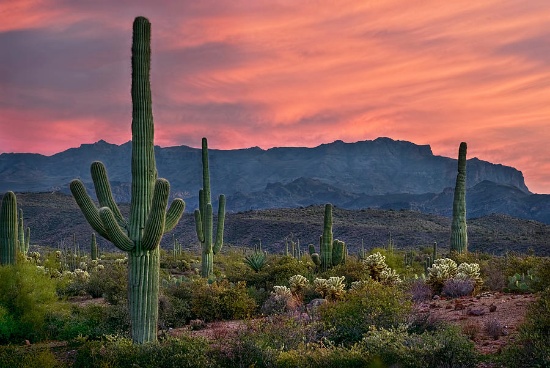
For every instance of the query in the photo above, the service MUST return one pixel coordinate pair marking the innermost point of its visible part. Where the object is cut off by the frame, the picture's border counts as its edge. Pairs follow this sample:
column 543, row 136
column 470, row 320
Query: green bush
column 371, row 304
column 91, row 321
column 109, row 281
column 27, row 357
column 121, row 353
column 321, row 355
column 446, row 347
column 27, row 297
column 221, row 300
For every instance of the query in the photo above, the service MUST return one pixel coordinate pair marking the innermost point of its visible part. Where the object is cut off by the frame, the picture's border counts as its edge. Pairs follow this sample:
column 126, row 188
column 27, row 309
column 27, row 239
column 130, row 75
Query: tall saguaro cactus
column 141, row 234
column 459, row 233
column 332, row 251
column 8, row 229
column 204, row 218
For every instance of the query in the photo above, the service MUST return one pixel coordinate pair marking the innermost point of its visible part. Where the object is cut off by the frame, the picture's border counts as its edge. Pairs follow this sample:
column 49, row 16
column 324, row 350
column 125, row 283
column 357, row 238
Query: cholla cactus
column 331, row 289
column 282, row 291
column 389, row 277
column 298, row 283
column 375, row 264
column 470, row 271
column 442, row 270
column 358, row 285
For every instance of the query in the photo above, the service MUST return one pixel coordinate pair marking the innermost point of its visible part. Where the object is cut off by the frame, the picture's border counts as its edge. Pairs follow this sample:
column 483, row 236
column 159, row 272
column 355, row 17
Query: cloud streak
column 282, row 73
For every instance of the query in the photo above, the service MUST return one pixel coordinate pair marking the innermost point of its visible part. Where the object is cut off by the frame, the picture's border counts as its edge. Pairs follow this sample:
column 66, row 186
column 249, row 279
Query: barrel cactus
column 8, row 229
column 141, row 234
column 204, row 218
column 459, row 233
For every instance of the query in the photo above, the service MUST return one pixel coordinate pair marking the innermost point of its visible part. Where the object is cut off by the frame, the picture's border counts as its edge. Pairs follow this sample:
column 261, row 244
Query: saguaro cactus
column 24, row 236
column 140, row 236
column 459, row 233
column 204, row 221
column 8, row 229
column 93, row 248
column 331, row 251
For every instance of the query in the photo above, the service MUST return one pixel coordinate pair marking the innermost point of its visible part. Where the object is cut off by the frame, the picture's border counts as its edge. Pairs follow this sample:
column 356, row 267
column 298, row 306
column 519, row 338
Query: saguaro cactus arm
column 220, row 225
column 88, row 208
column 154, row 227
column 115, row 234
column 103, row 191
column 173, row 215
column 199, row 226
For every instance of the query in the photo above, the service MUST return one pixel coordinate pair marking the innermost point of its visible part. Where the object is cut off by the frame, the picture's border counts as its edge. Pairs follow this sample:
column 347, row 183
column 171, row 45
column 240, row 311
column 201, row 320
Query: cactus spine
column 139, row 236
column 204, row 218
column 93, row 248
column 332, row 252
column 8, row 229
column 459, row 233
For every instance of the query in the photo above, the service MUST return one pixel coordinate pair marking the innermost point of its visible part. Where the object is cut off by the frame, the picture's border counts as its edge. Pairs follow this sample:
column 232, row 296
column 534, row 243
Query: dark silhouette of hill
column 54, row 217
column 382, row 173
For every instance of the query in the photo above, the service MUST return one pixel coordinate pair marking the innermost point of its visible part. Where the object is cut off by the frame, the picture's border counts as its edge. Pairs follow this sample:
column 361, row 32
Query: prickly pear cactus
column 139, row 235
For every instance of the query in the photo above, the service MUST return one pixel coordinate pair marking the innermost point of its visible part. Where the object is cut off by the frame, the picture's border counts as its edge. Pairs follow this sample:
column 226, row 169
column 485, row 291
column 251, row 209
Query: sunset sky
column 285, row 73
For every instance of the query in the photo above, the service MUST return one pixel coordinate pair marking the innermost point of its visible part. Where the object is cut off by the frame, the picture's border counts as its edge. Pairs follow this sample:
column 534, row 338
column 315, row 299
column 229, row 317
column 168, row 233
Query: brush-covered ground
column 55, row 217
column 60, row 309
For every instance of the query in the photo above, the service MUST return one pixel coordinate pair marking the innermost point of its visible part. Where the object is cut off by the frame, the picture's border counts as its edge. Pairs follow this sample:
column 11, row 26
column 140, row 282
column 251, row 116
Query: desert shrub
column 353, row 270
column 27, row 357
column 221, row 300
column 531, row 348
column 281, row 301
column 494, row 328
column 471, row 329
column 27, row 297
column 369, row 304
column 442, row 270
column 542, row 275
column 456, row 287
column 261, row 342
column 109, row 281
column 418, row 290
column 121, row 353
column 91, row 321
column 494, row 274
column 276, row 272
column 446, row 347
column 323, row 355
column 173, row 312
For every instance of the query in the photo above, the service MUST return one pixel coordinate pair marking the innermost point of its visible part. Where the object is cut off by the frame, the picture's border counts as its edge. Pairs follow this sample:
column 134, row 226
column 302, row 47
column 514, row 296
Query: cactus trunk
column 143, row 290
column 140, row 236
column 459, row 233
column 326, row 239
column 8, row 229
column 93, row 248
column 204, row 221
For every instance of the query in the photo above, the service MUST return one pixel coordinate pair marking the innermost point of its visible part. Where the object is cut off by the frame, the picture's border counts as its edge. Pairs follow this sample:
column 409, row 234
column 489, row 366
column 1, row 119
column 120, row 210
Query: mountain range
column 381, row 173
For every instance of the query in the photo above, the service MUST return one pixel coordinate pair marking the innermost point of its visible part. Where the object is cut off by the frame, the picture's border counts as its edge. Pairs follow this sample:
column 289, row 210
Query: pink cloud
column 268, row 73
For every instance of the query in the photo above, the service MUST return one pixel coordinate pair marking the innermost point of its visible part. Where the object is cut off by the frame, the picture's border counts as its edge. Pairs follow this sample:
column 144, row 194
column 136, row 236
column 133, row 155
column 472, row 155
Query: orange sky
column 285, row 73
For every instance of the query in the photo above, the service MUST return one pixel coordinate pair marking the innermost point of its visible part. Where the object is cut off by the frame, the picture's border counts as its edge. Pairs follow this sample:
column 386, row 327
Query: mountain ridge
column 380, row 173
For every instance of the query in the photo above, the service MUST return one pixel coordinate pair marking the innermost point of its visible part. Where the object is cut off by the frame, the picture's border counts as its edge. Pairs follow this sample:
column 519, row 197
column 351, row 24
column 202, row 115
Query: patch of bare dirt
column 490, row 319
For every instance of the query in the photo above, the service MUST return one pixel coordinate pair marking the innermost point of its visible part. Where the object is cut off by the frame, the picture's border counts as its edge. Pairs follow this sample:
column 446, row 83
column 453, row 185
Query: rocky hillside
column 54, row 217
column 382, row 173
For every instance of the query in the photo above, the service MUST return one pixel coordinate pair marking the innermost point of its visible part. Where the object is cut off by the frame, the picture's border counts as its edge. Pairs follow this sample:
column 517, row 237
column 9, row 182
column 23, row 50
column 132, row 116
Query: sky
column 274, row 73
